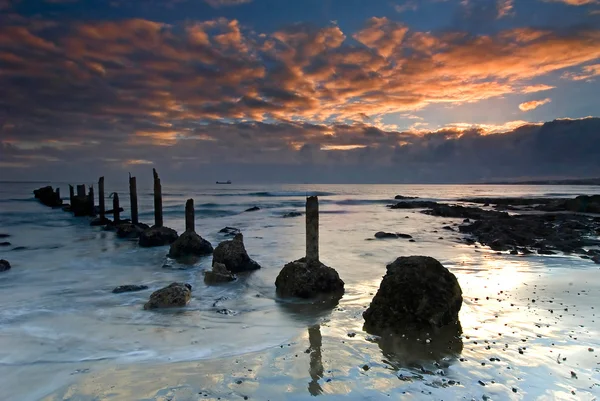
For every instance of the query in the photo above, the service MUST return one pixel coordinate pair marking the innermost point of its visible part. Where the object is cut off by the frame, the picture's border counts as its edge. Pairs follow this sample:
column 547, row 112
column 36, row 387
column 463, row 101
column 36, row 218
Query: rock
column 230, row 231
column 417, row 291
column 253, row 209
column 47, row 196
column 448, row 228
column 98, row 221
column 5, row 243
column 130, row 230
column 455, row 211
column 292, row 214
column 4, row 265
column 190, row 244
column 158, row 236
column 514, row 252
column 382, row 234
column 303, row 280
column 546, row 252
column 218, row 274
column 233, row 255
column 4, row 235
column 174, row 295
column 407, row 236
column 413, row 205
column 129, row 288
column 405, row 197
column 596, row 259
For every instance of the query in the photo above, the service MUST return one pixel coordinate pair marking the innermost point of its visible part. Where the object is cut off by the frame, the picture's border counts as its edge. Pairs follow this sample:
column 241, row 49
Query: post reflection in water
column 316, row 364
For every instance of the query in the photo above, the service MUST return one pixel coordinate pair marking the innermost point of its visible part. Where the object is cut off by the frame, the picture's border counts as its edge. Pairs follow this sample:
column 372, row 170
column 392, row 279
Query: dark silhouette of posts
column 101, row 205
column 189, row 216
column 91, row 206
column 116, row 208
column 71, row 194
column 58, row 196
column 312, row 229
column 158, row 215
column 133, row 199
column 81, row 190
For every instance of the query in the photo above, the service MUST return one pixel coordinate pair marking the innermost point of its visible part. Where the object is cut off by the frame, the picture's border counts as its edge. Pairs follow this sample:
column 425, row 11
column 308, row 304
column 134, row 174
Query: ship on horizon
column 224, row 182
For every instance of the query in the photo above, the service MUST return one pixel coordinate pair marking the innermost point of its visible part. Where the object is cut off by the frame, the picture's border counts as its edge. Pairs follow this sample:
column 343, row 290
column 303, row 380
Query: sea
column 529, row 330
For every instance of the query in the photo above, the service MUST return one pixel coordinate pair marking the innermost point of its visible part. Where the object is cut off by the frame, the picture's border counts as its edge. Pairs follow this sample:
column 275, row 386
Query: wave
column 266, row 194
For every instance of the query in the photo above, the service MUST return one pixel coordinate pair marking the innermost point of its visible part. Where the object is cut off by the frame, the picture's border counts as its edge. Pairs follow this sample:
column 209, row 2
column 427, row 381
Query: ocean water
column 65, row 336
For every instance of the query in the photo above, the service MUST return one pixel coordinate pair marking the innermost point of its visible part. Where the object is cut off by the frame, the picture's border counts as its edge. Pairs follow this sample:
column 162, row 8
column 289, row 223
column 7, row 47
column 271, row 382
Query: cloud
column 505, row 8
column 574, row 2
column 407, row 5
column 226, row 3
column 533, row 104
column 587, row 73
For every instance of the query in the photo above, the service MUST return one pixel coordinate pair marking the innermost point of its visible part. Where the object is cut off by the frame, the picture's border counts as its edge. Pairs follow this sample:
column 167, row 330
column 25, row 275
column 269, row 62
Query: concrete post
column 133, row 199
column 158, row 216
column 81, row 190
column 116, row 208
column 312, row 229
column 58, row 195
column 71, row 194
column 91, row 200
column 101, row 205
column 189, row 216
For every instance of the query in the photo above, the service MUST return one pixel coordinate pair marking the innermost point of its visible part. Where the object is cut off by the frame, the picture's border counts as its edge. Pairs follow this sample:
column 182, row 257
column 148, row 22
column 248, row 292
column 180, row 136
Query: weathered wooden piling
column 189, row 216
column 81, row 190
column 101, row 205
column 158, row 213
column 133, row 199
column 91, row 202
column 116, row 208
column 312, row 229
column 71, row 194
column 58, row 200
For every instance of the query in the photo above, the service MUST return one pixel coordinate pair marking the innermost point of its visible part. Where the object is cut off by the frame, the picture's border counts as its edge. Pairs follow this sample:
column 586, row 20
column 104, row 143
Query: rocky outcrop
column 5, row 243
column 596, row 259
column 455, row 211
column 4, row 265
column 129, row 288
column 229, row 231
column 417, row 291
column 308, row 280
column 292, row 214
column 413, row 205
column 48, row 197
column 382, row 235
column 219, row 274
column 190, row 244
column 233, row 255
column 399, row 197
column 158, row 236
column 130, row 230
column 253, row 209
column 173, row 296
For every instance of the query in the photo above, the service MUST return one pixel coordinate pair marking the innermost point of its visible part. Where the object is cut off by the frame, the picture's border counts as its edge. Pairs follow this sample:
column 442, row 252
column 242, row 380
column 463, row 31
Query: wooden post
column 91, row 205
column 312, row 229
column 133, row 199
column 189, row 216
column 81, row 190
column 158, row 215
column 116, row 208
column 71, row 194
column 101, row 205
column 58, row 196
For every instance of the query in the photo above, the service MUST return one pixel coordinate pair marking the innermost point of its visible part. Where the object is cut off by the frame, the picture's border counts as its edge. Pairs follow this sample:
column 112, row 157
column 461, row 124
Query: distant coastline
column 581, row 181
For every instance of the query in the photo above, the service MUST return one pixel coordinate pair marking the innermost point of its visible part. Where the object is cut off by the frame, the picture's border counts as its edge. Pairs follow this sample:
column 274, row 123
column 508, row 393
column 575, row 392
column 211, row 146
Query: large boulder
column 418, row 292
column 4, row 265
column 158, row 236
column 308, row 280
column 219, row 274
column 130, row 230
column 233, row 255
column 190, row 244
column 171, row 296
column 47, row 196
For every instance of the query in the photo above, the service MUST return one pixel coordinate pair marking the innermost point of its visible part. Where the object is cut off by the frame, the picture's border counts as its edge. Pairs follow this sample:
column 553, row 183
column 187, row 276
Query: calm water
column 65, row 336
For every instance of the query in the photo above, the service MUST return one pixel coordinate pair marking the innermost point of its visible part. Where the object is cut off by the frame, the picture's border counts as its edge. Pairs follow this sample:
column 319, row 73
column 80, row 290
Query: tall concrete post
column 158, row 216
column 312, row 229
column 189, row 216
column 116, row 208
column 133, row 199
column 91, row 200
column 81, row 190
column 71, row 194
column 101, row 204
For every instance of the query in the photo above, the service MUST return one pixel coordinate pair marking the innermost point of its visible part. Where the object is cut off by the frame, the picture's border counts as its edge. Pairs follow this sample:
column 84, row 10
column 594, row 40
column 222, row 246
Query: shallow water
column 65, row 336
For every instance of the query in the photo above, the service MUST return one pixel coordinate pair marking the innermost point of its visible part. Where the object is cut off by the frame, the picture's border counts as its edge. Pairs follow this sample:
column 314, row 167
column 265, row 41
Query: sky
column 348, row 91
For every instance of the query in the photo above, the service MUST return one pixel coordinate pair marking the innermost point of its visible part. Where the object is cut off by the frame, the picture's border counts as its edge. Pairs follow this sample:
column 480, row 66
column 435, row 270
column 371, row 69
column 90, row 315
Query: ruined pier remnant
column 133, row 199
column 116, row 208
column 71, row 194
column 308, row 277
column 82, row 204
column 81, row 190
column 158, row 212
column 91, row 201
column 190, row 243
column 48, row 196
column 101, row 220
column 157, row 235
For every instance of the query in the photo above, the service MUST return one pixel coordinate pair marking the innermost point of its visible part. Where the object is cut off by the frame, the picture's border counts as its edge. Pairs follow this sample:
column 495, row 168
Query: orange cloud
column 533, row 104
column 574, row 2
column 587, row 72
